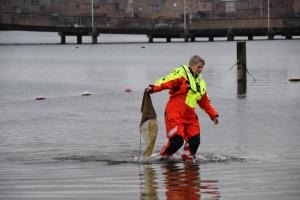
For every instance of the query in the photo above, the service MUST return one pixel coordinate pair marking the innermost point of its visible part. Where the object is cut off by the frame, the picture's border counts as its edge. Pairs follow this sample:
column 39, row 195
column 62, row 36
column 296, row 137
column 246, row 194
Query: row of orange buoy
column 85, row 93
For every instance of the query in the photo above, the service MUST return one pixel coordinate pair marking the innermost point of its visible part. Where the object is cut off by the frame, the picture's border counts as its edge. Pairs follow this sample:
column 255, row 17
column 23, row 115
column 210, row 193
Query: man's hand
column 216, row 120
column 149, row 90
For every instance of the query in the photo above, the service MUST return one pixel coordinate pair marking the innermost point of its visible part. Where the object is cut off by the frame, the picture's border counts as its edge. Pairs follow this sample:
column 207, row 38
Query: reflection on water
column 182, row 181
column 148, row 186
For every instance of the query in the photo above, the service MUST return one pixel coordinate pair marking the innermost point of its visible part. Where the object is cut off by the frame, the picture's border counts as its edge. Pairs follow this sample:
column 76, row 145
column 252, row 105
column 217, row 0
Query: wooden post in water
column 186, row 38
column 241, row 70
column 150, row 37
column 94, row 35
column 94, row 39
column 62, row 38
column 79, row 39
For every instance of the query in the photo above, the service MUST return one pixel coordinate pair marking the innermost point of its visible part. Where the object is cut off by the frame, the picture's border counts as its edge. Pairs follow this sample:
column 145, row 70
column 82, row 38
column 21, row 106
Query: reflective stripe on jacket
column 181, row 82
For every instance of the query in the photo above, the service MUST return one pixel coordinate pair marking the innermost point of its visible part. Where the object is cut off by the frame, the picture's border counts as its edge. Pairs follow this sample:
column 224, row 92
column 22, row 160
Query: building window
column 18, row 10
column 174, row 4
column 77, row 7
column 156, row 7
column 35, row 2
column 43, row 8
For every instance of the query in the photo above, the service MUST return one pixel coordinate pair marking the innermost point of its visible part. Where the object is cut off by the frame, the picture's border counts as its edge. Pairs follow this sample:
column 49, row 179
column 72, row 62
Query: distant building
column 204, row 9
column 161, row 10
column 3, row 6
column 296, row 6
column 204, row 6
column 28, row 6
column 250, row 9
column 155, row 8
column 279, row 8
column 230, row 6
column 102, row 8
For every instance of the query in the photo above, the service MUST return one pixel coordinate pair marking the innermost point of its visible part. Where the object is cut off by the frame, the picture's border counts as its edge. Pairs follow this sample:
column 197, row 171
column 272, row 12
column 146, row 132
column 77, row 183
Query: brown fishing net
column 148, row 125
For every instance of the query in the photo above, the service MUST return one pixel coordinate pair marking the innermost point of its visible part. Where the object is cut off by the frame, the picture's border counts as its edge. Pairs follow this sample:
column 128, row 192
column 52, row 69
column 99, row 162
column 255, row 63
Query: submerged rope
column 246, row 71
column 235, row 64
column 250, row 75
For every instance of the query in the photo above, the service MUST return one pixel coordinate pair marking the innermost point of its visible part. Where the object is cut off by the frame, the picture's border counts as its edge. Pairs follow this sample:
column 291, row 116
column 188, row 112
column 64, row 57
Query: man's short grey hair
column 195, row 59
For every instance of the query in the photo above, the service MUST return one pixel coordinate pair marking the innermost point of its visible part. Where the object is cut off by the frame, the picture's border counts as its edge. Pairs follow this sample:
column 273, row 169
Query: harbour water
column 70, row 146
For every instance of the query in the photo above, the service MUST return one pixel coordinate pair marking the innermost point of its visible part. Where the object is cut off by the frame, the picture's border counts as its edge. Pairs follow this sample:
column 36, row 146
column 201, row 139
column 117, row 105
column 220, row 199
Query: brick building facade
column 153, row 9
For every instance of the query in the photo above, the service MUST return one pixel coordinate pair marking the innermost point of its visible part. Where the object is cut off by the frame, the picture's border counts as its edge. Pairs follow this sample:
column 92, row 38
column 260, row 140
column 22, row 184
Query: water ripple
column 202, row 158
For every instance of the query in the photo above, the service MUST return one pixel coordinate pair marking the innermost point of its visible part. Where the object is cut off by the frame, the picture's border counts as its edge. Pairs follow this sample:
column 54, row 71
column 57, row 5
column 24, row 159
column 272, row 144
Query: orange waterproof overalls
column 186, row 91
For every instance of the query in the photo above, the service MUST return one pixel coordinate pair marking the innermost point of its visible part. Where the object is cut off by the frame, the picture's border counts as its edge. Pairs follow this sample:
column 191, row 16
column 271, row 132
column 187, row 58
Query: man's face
column 197, row 68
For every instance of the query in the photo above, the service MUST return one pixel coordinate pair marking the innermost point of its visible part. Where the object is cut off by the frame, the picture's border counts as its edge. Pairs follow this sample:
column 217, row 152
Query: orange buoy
column 128, row 90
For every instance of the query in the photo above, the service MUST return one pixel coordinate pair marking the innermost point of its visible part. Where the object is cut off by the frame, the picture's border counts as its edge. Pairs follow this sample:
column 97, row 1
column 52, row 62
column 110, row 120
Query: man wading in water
column 187, row 89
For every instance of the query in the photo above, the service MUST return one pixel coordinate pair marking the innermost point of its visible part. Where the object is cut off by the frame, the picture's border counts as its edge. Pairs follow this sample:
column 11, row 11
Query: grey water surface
column 70, row 146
